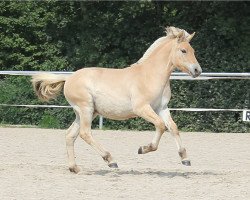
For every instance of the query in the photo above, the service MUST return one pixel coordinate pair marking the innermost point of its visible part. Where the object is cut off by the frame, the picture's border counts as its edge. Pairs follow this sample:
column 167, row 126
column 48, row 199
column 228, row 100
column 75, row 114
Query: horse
column 139, row 90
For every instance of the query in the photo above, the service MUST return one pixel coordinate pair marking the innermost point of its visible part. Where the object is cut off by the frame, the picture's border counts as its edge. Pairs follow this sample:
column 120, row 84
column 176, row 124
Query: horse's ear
column 189, row 38
column 181, row 36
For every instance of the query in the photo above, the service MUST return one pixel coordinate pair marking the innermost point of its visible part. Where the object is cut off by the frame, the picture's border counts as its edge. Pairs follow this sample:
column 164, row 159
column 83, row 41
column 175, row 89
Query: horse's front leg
column 173, row 129
column 147, row 113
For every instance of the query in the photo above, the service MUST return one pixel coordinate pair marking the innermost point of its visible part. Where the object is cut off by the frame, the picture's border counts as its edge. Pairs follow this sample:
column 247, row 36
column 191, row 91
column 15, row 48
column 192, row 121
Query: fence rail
column 174, row 76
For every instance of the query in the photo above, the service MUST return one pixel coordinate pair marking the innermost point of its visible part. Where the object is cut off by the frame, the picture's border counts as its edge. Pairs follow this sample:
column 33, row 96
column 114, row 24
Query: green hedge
column 66, row 36
column 208, row 94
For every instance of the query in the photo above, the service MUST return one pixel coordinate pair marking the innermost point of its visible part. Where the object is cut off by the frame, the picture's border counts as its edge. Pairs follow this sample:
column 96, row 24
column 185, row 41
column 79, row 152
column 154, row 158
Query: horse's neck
column 159, row 64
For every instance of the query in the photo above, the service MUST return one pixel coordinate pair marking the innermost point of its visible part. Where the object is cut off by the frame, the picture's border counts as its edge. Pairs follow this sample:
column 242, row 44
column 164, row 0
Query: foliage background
column 67, row 36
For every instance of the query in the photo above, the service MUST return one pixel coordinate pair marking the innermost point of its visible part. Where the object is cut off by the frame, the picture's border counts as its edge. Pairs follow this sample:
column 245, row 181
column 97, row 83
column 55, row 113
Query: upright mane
column 171, row 33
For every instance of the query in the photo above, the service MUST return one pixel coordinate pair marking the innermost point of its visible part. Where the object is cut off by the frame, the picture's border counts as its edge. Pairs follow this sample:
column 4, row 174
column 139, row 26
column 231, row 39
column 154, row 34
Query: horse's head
column 183, row 56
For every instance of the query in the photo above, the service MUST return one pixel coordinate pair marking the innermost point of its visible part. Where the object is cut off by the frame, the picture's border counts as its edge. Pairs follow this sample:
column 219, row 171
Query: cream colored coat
column 140, row 90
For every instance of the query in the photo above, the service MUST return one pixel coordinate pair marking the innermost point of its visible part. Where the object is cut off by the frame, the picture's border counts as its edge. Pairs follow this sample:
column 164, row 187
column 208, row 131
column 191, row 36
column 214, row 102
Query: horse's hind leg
column 86, row 116
column 71, row 136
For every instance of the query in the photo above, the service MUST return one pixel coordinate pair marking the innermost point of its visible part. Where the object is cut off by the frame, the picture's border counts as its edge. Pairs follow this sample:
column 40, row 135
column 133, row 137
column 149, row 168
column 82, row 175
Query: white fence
column 174, row 76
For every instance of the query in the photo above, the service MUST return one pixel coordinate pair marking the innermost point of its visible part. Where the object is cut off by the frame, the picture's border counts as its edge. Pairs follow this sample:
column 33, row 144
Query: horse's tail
column 47, row 86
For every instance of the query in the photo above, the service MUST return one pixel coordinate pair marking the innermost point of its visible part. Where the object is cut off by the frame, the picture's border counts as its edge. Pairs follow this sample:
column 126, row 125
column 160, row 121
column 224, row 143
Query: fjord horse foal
column 140, row 90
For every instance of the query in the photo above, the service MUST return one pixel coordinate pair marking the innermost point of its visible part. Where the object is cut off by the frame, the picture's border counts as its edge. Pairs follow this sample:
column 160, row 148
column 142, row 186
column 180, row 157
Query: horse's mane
column 171, row 33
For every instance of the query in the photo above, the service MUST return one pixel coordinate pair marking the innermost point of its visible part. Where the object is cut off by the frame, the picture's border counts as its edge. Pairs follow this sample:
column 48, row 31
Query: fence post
column 100, row 122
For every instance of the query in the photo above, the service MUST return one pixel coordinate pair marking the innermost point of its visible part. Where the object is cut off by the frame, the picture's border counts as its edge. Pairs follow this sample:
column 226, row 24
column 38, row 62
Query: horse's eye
column 183, row 51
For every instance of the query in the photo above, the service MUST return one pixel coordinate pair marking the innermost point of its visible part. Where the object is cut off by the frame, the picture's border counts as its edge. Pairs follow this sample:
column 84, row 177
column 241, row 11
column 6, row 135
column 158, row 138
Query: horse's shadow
column 168, row 174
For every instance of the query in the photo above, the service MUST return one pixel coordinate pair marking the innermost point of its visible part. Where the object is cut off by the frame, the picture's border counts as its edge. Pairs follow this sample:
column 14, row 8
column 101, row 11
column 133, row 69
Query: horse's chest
column 156, row 102
column 161, row 99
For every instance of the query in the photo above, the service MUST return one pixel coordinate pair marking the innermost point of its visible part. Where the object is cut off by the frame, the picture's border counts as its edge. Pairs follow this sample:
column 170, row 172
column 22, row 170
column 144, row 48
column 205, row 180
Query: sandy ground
column 33, row 165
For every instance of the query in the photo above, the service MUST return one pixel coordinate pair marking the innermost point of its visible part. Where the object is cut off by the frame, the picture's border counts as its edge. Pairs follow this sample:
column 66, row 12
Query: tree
column 71, row 35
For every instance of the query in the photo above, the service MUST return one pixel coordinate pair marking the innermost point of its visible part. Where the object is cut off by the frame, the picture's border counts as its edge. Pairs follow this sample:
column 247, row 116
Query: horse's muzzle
column 195, row 70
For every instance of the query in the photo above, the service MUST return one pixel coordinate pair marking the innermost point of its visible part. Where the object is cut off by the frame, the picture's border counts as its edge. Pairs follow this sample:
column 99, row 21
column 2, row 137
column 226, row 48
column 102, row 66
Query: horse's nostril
column 196, row 71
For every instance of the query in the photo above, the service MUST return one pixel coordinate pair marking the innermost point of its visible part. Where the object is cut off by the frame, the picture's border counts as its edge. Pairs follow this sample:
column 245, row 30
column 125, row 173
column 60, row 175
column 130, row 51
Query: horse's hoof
column 186, row 162
column 75, row 169
column 140, row 150
column 113, row 165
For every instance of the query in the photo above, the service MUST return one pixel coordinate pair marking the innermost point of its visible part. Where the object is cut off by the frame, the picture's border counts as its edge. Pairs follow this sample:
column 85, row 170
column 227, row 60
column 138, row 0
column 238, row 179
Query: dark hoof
column 113, row 165
column 75, row 169
column 186, row 162
column 140, row 150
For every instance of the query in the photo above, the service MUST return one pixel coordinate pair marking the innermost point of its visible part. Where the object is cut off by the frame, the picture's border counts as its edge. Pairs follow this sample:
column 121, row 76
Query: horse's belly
column 117, row 108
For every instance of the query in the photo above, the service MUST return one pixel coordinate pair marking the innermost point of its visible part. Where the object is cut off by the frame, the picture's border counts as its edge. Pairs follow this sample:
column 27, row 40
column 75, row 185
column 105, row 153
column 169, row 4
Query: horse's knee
column 172, row 127
column 160, row 125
